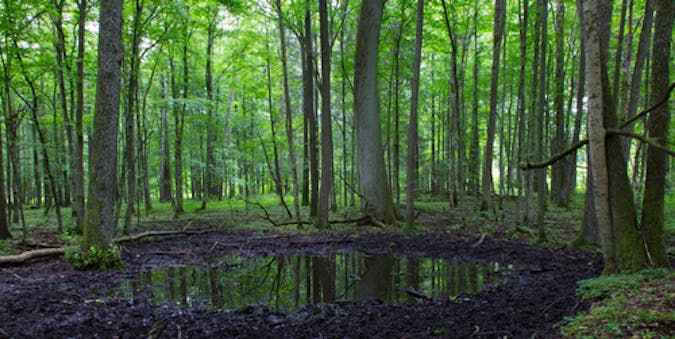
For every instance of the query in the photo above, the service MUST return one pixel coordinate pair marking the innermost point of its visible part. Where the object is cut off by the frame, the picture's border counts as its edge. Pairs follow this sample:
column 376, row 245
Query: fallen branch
column 268, row 217
column 416, row 294
column 51, row 252
column 480, row 241
column 28, row 255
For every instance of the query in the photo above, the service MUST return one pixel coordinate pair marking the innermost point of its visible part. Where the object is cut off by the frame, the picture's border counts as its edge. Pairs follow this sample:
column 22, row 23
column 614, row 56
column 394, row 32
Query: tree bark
column 208, row 190
column 78, row 156
column 372, row 173
column 541, row 116
column 289, row 111
column 165, row 191
column 652, row 221
column 615, row 210
column 99, row 226
column 130, row 113
column 326, row 128
column 500, row 15
column 411, row 165
column 558, row 170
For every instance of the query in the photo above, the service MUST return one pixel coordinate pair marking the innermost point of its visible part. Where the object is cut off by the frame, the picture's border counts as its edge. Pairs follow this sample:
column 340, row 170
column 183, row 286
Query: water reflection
column 287, row 282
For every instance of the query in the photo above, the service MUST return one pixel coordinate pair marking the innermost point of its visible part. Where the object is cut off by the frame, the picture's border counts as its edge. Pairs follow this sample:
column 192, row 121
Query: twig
column 476, row 329
column 480, row 241
column 188, row 253
column 553, row 303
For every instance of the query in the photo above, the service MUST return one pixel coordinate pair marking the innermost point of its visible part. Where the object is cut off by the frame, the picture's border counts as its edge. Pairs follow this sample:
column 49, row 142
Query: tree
column 289, row 111
column 411, row 164
column 613, row 196
column 652, row 220
column 100, row 226
column 500, row 18
column 326, row 128
column 372, row 173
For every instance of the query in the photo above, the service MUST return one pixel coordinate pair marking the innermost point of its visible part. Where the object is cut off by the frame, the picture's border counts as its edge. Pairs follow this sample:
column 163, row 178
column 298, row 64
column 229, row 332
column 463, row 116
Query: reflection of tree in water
column 377, row 278
column 284, row 282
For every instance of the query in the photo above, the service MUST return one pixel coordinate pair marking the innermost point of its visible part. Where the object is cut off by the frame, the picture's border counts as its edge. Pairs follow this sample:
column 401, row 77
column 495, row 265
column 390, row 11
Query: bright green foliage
column 637, row 305
column 95, row 258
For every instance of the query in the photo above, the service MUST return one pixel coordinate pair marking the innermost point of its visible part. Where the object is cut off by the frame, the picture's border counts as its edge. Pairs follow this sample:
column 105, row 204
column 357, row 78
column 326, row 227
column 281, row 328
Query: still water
column 288, row 282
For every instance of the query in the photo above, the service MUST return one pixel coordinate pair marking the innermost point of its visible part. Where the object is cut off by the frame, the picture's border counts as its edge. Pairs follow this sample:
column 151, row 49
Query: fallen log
column 28, row 255
column 16, row 259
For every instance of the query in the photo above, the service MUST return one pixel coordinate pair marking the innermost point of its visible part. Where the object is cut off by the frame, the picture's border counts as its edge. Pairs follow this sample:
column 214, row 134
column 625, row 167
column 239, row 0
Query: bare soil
column 46, row 298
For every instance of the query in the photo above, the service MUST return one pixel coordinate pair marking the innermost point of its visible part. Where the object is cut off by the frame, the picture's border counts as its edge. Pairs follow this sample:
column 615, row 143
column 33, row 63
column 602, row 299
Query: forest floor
column 46, row 298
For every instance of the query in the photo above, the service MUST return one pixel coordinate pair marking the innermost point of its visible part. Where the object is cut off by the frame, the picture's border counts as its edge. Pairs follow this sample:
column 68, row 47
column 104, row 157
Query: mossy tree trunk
column 657, row 164
column 615, row 210
column 99, row 226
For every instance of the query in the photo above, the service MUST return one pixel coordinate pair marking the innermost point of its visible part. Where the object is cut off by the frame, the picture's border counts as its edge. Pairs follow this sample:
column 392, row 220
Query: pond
column 287, row 282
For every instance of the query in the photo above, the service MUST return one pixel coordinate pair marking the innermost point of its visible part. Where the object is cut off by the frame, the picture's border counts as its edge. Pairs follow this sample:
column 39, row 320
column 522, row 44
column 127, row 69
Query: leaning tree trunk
column 372, row 172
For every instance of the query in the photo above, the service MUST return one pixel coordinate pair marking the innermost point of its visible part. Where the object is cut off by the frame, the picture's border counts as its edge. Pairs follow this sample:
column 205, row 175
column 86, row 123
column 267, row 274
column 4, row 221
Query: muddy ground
column 46, row 298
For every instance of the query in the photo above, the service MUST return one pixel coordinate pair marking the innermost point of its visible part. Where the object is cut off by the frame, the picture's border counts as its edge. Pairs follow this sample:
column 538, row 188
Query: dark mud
column 48, row 299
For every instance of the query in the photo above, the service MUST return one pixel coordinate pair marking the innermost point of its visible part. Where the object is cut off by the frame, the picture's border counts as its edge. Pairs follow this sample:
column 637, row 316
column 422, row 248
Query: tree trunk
column 165, row 190
column 500, row 17
column 99, row 226
column 630, row 107
column 275, row 173
column 522, row 114
column 474, row 148
column 615, row 210
column 541, row 116
column 326, row 128
column 210, row 134
column 558, row 170
column 372, row 173
column 411, row 165
column 130, row 114
column 78, row 157
column 310, row 114
column 652, row 222
column 289, row 112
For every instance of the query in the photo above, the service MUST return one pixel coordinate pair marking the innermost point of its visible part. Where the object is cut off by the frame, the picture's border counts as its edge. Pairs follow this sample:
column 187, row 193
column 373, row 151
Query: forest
column 336, row 168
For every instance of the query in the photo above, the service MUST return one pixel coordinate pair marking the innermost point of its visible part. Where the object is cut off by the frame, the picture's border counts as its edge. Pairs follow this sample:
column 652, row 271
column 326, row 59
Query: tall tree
column 372, row 172
column 411, row 164
column 78, row 155
column 652, row 221
column 500, row 18
column 209, row 178
column 558, row 170
column 615, row 211
column 326, row 128
column 165, row 190
column 289, row 111
column 99, row 226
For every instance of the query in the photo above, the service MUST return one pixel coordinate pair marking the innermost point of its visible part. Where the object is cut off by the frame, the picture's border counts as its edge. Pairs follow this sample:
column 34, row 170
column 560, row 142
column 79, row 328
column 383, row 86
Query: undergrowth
column 637, row 305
